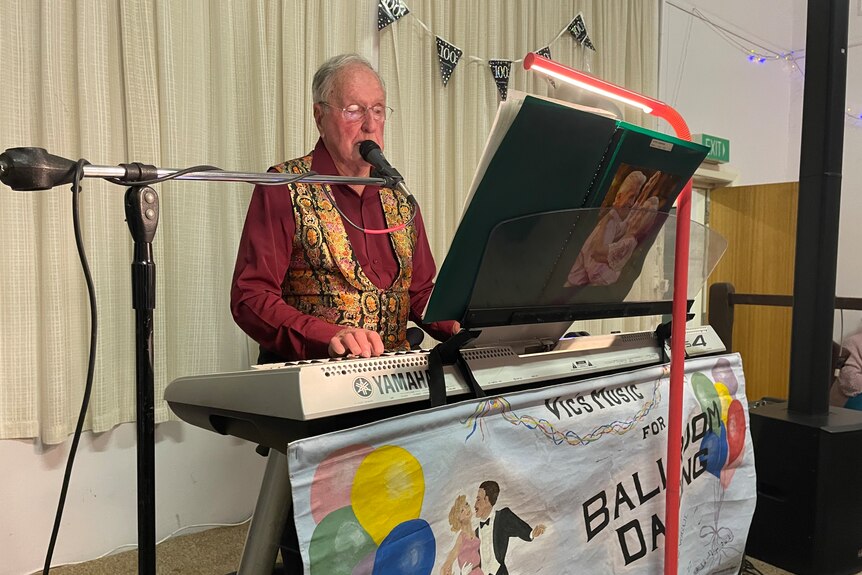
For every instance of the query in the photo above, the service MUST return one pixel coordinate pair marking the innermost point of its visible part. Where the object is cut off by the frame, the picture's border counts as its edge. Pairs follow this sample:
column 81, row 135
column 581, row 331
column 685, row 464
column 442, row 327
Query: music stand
column 530, row 283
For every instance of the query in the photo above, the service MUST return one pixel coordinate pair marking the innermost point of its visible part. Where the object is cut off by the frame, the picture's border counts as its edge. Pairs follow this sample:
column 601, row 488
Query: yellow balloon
column 388, row 489
column 725, row 398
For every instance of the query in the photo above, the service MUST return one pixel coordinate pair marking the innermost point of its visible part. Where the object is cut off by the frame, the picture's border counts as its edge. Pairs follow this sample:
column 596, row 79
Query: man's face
column 483, row 506
column 355, row 85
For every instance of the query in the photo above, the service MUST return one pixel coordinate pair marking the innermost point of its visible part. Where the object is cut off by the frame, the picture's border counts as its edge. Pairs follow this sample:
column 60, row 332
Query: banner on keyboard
column 567, row 479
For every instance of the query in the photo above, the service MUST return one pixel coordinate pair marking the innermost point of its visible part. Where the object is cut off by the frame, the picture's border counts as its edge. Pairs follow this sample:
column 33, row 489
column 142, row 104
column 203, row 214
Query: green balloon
column 338, row 544
column 707, row 396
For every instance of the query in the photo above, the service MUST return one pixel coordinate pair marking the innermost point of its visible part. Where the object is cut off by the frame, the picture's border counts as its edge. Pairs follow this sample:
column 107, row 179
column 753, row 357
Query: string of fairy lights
column 754, row 50
column 758, row 53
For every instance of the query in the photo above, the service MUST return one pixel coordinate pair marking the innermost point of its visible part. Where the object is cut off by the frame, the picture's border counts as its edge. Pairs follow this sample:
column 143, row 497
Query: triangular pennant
column 448, row 55
column 500, row 69
column 546, row 53
column 578, row 29
column 388, row 11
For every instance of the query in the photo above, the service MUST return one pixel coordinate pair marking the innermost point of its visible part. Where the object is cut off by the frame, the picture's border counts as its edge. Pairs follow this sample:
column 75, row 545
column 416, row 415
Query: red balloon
column 735, row 430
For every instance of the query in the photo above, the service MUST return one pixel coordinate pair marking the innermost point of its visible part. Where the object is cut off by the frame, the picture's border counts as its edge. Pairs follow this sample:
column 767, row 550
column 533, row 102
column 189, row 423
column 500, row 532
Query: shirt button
column 376, row 261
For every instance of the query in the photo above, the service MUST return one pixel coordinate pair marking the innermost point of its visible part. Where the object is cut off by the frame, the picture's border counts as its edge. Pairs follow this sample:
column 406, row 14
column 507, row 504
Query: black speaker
column 808, row 518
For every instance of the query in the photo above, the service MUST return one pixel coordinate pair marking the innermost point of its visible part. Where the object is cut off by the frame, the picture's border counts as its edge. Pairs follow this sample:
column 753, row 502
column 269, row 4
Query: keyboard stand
column 270, row 516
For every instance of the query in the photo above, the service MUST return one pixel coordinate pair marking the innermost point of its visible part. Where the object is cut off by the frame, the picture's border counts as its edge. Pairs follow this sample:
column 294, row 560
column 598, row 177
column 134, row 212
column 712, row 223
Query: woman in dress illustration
column 465, row 551
column 602, row 256
column 643, row 213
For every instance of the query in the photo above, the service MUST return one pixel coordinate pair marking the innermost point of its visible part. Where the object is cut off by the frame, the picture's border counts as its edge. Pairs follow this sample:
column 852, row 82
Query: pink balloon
column 735, row 430
column 333, row 480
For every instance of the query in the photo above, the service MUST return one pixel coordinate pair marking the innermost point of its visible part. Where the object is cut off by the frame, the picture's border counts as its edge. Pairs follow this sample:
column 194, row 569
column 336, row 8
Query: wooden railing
column 723, row 298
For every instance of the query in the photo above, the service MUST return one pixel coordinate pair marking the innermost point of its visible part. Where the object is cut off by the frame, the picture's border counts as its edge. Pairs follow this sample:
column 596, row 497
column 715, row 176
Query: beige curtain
column 174, row 84
column 181, row 83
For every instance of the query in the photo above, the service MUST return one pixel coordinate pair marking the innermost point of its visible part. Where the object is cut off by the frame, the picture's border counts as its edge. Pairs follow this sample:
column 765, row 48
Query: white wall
column 719, row 92
column 201, row 477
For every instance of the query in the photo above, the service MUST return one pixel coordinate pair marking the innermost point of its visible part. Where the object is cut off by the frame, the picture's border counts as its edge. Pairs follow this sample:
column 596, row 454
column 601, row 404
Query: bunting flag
column 388, row 11
column 500, row 69
column 546, row 53
column 578, row 29
column 448, row 55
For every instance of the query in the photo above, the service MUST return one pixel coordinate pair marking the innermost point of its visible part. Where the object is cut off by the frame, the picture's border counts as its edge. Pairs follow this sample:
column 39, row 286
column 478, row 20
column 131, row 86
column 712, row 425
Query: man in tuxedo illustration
column 496, row 528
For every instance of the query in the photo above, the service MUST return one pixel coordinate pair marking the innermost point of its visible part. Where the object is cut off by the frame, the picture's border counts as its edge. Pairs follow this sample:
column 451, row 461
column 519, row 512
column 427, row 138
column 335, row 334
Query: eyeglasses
column 355, row 112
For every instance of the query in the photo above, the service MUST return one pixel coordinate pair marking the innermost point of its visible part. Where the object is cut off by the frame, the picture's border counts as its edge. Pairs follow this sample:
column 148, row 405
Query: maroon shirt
column 264, row 254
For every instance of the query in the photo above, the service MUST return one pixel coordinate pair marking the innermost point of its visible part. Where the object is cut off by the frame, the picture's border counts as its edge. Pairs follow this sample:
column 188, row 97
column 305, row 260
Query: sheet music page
column 507, row 111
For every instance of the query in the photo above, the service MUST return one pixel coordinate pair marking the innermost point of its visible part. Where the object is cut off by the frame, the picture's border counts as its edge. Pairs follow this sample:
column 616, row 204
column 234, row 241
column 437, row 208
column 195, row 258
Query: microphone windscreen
column 367, row 147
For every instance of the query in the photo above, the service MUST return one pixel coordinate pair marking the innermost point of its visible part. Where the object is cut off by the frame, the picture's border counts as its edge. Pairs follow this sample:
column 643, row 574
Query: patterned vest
column 324, row 278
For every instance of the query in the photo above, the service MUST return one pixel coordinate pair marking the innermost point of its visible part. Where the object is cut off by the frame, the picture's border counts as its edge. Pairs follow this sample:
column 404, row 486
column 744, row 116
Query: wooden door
column 759, row 223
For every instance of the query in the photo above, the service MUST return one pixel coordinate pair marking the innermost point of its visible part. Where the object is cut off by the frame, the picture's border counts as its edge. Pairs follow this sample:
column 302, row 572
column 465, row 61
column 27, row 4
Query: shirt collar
column 322, row 163
column 321, row 160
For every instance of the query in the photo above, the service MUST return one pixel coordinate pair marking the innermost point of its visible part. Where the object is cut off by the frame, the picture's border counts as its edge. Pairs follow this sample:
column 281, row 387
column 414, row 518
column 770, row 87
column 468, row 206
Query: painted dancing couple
column 481, row 549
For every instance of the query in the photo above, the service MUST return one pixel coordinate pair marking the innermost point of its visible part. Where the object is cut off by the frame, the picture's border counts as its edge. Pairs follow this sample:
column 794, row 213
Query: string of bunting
column 449, row 55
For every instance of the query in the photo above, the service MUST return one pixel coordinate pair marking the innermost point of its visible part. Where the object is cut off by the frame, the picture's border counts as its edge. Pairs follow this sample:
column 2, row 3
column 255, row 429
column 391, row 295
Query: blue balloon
column 716, row 450
column 409, row 549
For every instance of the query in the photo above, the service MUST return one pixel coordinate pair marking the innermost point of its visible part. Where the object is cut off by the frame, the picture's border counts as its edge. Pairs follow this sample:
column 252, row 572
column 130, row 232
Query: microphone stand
column 27, row 169
column 142, row 216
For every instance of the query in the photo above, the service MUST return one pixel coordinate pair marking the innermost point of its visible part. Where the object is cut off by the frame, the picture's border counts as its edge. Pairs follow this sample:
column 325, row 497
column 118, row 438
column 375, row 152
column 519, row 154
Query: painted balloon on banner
column 333, row 480
column 338, row 544
column 707, row 396
column 735, row 426
column 388, row 489
column 735, row 430
column 409, row 548
column 725, row 398
column 724, row 441
column 715, row 445
column 722, row 372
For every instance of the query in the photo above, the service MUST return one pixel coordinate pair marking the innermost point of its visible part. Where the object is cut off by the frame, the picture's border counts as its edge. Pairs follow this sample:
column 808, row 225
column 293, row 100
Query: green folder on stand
column 544, row 191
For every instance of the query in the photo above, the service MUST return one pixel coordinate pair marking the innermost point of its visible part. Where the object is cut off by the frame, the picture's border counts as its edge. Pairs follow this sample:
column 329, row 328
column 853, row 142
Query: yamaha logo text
column 391, row 383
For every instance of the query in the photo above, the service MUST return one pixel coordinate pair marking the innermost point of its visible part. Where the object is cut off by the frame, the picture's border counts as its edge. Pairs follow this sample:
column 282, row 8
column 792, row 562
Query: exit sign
column 719, row 148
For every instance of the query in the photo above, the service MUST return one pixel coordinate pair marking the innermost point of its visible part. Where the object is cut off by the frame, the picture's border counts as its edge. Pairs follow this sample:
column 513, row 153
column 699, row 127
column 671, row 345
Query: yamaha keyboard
column 277, row 403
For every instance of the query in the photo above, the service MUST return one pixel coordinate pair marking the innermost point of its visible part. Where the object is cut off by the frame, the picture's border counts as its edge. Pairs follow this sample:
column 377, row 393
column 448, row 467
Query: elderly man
column 330, row 270
column 314, row 275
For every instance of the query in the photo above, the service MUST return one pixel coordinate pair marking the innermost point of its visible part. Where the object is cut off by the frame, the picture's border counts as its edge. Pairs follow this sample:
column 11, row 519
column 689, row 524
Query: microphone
column 371, row 153
column 31, row 169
